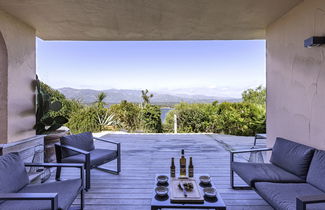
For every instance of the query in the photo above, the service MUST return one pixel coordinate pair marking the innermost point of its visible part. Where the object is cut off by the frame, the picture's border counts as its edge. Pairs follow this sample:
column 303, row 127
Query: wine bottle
column 191, row 168
column 172, row 169
column 182, row 163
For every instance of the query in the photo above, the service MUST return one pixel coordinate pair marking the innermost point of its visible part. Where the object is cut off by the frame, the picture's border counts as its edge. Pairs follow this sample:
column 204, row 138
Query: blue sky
column 223, row 68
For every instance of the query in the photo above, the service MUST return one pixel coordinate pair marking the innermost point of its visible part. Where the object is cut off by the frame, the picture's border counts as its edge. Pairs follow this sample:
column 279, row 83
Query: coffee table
column 158, row 203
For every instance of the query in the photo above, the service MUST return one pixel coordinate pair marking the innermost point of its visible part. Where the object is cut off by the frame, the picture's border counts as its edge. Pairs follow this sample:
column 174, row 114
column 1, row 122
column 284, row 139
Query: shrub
column 243, row 119
column 68, row 106
column 150, row 119
column 86, row 119
column 192, row 118
column 229, row 118
column 126, row 115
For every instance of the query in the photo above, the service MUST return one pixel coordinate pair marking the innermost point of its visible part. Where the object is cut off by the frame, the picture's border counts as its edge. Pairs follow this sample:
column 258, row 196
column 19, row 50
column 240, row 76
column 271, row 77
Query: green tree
column 55, row 94
column 126, row 115
column 68, row 106
column 146, row 96
column 192, row 118
column 228, row 118
column 244, row 119
column 150, row 119
column 100, row 99
column 255, row 96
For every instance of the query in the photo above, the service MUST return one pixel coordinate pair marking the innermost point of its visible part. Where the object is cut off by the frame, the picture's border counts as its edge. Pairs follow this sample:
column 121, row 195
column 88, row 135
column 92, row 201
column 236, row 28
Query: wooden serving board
column 177, row 195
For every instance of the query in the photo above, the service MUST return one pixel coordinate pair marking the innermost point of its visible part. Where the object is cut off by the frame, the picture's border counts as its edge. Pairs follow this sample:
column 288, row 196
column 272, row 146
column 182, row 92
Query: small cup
column 161, row 191
column 205, row 179
column 162, row 179
column 210, row 192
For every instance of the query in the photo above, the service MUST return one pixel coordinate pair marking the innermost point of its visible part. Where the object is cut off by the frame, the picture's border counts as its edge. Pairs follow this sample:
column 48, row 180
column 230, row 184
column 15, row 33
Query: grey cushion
column 283, row 196
column 13, row 175
column 262, row 172
column 97, row 156
column 316, row 173
column 67, row 193
column 292, row 156
column 82, row 141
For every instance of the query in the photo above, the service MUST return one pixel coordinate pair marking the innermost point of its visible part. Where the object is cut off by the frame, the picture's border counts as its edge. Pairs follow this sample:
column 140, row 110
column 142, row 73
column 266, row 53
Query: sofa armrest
column 233, row 152
column 250, row 150
column 302, row 201
column 107, row 141
column 53, row 197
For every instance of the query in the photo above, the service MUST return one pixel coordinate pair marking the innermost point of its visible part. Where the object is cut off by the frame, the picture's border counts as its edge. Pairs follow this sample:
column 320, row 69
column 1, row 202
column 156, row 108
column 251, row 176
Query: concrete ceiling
column 148, row 19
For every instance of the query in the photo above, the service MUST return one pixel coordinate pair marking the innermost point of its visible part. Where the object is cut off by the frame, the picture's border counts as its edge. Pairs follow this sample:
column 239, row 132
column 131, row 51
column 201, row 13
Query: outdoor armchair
column 80, row 148
column 17, row 193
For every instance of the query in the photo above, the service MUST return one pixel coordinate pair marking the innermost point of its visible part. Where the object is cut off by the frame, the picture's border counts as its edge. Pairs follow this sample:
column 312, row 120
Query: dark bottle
column 172, row 169
column 182, row 163
column 191, row 168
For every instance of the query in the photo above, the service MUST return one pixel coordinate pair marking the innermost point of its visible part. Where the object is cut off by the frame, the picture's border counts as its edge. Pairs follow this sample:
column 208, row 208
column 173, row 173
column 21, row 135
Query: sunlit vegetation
column 238, row 118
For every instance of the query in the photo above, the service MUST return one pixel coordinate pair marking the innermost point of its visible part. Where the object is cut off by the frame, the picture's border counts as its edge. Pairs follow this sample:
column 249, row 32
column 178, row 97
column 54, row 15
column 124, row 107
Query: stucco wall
column 296, row 76
column 20, row 41
column 3, row 88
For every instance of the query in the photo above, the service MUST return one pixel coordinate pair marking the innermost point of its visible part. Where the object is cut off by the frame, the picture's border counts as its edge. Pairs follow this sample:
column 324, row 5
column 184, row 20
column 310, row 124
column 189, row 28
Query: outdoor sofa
column 294, row 178
column 80, row 148
column 16, row 193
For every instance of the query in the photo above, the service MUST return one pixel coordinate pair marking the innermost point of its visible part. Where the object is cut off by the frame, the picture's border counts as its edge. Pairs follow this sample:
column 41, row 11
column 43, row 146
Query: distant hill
column 115, row 96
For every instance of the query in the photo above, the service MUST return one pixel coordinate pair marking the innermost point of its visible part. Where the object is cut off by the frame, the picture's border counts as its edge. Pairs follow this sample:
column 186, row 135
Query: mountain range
column 115, row 96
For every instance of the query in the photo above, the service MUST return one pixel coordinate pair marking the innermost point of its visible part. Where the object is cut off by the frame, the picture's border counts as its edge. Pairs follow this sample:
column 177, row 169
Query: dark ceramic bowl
column 162, row 179
column 161, row 191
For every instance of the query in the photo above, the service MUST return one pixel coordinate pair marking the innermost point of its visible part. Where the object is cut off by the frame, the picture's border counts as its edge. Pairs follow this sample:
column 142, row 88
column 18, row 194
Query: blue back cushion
column 13, row 175
column 292, row 156
column 316, row 173
column 82, row 141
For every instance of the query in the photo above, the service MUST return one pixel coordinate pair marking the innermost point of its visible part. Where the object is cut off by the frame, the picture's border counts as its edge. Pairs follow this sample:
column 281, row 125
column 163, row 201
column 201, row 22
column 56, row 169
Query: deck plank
column 143, row 156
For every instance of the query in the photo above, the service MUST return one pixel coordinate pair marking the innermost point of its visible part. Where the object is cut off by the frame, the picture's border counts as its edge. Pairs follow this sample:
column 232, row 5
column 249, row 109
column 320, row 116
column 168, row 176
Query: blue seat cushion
column 97, row 157
column 82, row 141
column 292, row 157
column 316, row 173
column 67, row 192
column 13, row 175
column 282, row 196
column 263, row 172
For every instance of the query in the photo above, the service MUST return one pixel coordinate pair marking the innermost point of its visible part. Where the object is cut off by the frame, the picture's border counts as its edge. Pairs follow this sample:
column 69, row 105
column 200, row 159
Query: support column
column 17, row 73
column 3, row 90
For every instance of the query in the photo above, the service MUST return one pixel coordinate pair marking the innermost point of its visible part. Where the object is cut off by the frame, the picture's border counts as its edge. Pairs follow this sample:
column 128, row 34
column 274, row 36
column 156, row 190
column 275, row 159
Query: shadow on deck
column 143, row 156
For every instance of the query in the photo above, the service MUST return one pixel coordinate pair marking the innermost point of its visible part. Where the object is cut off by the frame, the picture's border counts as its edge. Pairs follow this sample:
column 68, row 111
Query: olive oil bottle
column 191, row 168
column 182, row 163
column 172, row 169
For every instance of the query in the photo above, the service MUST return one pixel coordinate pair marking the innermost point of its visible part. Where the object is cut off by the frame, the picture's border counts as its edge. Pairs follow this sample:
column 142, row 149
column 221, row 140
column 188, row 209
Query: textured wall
column 296, row 76
column 19, row 116
column 3, row 88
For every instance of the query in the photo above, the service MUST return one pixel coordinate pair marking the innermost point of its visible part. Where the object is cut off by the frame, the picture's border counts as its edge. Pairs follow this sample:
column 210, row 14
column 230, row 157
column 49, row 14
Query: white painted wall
column 296, row 76
column 19, row 116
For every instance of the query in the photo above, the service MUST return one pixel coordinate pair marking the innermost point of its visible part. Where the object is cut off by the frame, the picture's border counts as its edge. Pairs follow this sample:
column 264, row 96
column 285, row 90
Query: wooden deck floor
column 143, row 156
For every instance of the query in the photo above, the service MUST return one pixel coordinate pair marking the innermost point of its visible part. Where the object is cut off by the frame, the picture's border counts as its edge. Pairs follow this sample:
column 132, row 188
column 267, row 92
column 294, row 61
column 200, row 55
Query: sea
column 164, row 112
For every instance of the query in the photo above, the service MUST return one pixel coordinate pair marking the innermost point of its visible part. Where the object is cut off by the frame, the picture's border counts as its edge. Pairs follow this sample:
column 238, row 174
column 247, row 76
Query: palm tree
column 100, row 99
column 146, row 97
